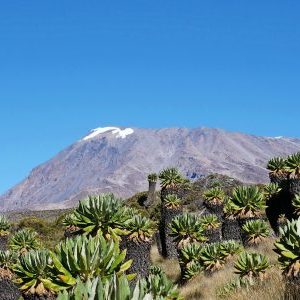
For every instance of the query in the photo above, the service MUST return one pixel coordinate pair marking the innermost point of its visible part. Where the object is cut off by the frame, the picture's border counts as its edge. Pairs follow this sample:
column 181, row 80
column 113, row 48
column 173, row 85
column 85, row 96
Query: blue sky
column 69, row 66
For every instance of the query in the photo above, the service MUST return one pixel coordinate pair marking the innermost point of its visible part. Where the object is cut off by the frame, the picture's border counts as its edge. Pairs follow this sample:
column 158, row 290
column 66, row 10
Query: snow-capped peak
column 118, row 132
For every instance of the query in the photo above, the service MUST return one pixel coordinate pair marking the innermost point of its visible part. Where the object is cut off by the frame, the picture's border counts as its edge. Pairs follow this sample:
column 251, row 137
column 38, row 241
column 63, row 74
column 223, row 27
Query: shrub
column 4, row 226
column 34, row 274
column 187, row 228
column 293, row 165
column 88, row 257
column 214, row 195
column 247, row 201
column 210, row 222
column 256, row 231
column 251, row 265
column 288, row 248
column 24, row 240
column 104, row 214
column 172, row 201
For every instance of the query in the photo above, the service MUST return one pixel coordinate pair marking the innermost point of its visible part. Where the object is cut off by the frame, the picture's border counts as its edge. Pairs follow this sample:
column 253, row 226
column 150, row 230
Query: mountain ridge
column 118, row 159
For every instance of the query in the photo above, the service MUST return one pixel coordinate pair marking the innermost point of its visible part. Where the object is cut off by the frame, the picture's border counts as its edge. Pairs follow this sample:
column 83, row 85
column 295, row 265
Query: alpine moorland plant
column 252, row 265
column 271, row 190
column 288, row 248
column 140, row 229
column 86, row 257
column 214, row 196
column 247, row 201
column 117, row 288
column 256, row 231
column 190, row 252
column 170, row 178
column 24, row 240
column 296, row 204
column 4, row 226
column 187, row 228
column 293, row 165
column 230, row 248
column 152, row 177
column 104, row 214
column 172, row 202
column 277, row 167
column 34, row 274
column 212, row 257
column 7, row 259
column 210, row 222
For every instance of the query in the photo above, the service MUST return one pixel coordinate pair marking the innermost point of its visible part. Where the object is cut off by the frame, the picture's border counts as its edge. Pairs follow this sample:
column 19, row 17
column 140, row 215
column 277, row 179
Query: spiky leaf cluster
column 172, row 201
column 4, row 226
column 140, row 229
column 192, row 269
column 212, row 257
column 247, row 201
column 152, row 177
column 34, row 274
column 187, row 228
column 117, row 288
column 256, row 231
column 104, row 214
column 214, row 195
column 296, row 204
column 288, row 248
column 271, row 189
column 210, row 221
column 170, row 178
column 69, row 220
column 7, row 259
column 277, row 166
column 190, row 252
column 87, row 257
column 24, row 240
column 229, row 248
column 251, row 265
column 293, row 165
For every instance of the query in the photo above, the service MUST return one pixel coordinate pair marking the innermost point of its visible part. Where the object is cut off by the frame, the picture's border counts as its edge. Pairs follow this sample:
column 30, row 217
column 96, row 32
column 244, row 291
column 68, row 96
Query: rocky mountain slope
column 113, row 159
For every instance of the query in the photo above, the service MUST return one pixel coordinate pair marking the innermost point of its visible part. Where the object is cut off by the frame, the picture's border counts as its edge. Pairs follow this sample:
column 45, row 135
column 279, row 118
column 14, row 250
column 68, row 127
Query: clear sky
column 69, row 66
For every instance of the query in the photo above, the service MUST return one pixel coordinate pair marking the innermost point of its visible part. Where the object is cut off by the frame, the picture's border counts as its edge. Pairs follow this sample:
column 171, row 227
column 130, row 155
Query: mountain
column 113, row 159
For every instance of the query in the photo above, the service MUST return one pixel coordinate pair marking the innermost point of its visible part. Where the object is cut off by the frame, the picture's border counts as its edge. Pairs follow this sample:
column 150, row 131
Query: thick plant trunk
column 242, row 222
column 8, row 290
column 140, row 255
column 273, row 211
column 151, row 194
column 215, row 209
column 231, row 230
column 213, row 235
column 294, row 186
column 3, row 242
column 169, row 246
column 157, row 238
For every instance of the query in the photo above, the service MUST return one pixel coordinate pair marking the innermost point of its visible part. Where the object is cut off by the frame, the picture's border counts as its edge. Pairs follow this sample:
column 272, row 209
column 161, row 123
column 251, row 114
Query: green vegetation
column 247, row 201
column 23, row 241
column 256, row 231
column 251, row 265
column 4, row 226
column 214, row 195
column 293, row 165
column 170, row 178
column 172, row 201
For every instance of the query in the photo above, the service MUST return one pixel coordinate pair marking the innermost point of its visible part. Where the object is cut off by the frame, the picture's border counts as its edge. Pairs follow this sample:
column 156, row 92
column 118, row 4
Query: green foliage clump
column 214, row 195
column 247, row 201
column 4, row 226
column 251, row 265
column 256, row 231
column 24, row 240
column 288, row 248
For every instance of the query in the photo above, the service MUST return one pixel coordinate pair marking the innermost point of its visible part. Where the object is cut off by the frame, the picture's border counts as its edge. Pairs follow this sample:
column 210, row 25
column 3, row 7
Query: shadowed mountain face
column 118, row 160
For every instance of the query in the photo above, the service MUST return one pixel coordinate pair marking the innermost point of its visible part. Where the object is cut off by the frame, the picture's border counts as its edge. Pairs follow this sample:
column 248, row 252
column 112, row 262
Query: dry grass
column 170, row 266
column 204, row 287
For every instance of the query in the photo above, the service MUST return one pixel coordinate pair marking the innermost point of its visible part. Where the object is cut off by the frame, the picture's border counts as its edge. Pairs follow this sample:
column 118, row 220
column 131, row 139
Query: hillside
column 118, row 160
